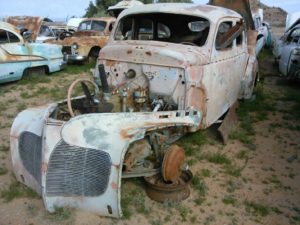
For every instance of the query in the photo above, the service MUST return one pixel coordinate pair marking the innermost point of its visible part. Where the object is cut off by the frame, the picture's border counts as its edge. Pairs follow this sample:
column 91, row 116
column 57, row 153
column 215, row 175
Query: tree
column 91, row 10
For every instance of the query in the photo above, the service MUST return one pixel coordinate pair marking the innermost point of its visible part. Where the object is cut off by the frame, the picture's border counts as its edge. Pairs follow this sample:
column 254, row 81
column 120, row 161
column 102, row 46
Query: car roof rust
column 106, row 19
column 213, row 13
column 8, row 26
column 32, row 23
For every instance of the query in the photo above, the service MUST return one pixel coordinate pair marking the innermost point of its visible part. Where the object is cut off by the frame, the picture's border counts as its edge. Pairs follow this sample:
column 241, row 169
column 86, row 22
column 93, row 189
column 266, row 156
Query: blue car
column 19, row 55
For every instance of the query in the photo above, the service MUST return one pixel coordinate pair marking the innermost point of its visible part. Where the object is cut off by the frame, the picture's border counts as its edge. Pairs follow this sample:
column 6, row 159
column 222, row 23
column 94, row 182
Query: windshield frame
column 156, row 21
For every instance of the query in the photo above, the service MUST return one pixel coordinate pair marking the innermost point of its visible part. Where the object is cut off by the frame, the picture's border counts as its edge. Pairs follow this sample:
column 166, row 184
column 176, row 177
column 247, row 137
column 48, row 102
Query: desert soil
column 253, row 179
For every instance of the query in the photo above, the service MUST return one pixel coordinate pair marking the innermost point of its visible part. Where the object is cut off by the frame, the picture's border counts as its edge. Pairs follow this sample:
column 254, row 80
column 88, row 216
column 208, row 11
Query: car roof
column 206, row 11
column 8, row 26
column 107, row 19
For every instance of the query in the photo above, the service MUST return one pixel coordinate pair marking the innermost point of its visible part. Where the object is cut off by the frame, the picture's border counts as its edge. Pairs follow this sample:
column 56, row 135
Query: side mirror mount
column 27, row 35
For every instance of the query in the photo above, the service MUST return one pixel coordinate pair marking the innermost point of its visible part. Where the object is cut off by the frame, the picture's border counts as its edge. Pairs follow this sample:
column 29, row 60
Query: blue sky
column 61, row 9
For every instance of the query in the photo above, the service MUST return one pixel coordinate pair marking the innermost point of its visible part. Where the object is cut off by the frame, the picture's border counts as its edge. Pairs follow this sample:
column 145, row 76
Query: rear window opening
column 173, row 28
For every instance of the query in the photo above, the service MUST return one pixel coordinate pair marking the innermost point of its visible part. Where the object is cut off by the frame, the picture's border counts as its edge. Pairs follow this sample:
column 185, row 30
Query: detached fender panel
column 97, row 144
column 26, row 146
column 249, row 78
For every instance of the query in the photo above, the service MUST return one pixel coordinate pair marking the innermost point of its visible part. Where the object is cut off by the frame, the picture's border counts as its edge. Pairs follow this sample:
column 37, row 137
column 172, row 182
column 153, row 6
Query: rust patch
column 44, row 167
column 172, row 163
column 110, row 62
column 87, row 33
column 229, row 123
column 32, row 23
column 160, row 191
column 129, row 51
column 114, row 186
column 124, row 134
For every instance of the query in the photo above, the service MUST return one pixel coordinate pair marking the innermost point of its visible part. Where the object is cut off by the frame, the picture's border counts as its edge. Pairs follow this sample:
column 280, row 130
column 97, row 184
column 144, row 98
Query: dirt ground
column 253, row 179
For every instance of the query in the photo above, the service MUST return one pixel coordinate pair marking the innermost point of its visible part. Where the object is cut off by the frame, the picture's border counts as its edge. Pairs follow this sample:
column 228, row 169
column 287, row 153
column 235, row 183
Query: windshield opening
column 165, row 27
column 92, row 25
column 45, row 31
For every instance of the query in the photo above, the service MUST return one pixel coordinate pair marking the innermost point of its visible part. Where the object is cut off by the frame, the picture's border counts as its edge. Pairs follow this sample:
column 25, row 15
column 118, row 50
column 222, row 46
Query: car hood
column 156, row 53
column 83, row 40
column 87, row 33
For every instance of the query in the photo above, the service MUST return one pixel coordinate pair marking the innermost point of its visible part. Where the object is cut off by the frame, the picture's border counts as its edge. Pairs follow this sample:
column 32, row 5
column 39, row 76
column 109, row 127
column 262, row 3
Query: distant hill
column 274, row 15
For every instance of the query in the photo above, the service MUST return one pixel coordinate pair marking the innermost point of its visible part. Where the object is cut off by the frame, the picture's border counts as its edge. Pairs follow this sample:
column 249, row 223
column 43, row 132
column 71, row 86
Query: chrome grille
column 30, row 149
column 77, row 171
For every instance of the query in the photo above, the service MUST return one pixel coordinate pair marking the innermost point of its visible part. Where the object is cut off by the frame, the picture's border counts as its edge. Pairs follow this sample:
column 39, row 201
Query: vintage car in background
column 289, row 60
column 167, row 70
column 73, row 23
column 84, row 44
column 116, row 9
column 18, row 57
column 37, row 25
column 292, row 19
column 264, row 36
column 58, row 28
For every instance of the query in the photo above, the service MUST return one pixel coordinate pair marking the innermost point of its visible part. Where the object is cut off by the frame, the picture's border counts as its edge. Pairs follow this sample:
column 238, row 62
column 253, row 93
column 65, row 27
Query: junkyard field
column 254, row 179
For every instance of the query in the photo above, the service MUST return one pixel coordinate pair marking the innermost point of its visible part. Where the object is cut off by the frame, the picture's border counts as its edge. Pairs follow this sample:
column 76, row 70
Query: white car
column 289, row 60
column 167, row 70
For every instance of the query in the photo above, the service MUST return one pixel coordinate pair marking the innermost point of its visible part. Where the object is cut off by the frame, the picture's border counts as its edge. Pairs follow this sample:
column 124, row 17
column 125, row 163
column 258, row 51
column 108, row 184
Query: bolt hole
column 182, row 82
column 109, row 209
column 117, row 74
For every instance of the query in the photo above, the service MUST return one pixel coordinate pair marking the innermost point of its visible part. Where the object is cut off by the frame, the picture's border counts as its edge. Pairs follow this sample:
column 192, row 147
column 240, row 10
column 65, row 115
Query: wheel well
column 94, row 50
column 259, row 37
column 38, row 69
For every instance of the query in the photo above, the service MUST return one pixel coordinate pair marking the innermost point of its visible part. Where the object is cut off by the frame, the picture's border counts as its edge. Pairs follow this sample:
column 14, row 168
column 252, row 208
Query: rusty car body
column 37, row 25
column 91, row 36
column 18, row 57
column 167, row 70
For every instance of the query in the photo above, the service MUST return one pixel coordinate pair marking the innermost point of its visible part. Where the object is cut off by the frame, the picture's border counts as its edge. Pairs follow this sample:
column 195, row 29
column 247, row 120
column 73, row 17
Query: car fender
column 101, row 141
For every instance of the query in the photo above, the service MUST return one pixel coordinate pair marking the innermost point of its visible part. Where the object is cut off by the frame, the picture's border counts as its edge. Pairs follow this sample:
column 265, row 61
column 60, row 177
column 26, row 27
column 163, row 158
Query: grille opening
column 77, row 171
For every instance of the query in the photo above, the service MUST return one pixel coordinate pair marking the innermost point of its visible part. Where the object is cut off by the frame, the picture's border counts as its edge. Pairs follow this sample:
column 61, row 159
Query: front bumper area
column 74, row 58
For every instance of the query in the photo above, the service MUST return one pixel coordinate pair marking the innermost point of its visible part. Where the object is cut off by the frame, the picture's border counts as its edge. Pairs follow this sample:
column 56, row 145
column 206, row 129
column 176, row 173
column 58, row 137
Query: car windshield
column 92, row 25
column 45, row 31
column 294, row 35
column 165, row 27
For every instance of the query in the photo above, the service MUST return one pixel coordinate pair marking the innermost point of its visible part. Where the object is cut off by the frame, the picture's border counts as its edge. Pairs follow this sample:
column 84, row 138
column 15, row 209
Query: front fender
column 26, row 145
column 84, row 169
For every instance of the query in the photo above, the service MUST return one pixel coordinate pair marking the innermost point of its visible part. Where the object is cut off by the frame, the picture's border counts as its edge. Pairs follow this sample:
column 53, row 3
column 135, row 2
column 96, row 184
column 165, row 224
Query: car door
column 289, row 45
column 14, row 56
column 226, row 69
